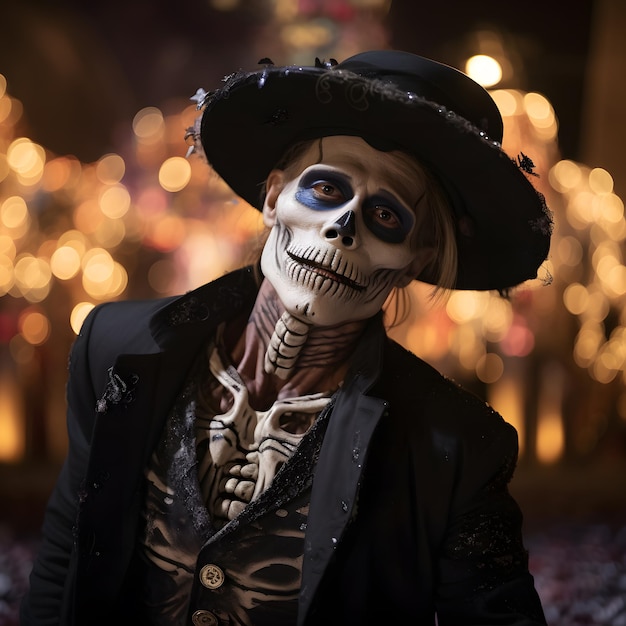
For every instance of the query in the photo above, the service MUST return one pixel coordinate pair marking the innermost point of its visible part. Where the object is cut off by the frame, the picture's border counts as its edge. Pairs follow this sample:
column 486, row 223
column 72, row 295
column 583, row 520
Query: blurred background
column 100, row 201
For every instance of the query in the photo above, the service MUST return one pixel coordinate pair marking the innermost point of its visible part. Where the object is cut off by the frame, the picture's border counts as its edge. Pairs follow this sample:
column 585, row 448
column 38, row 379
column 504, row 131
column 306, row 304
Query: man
column 258, row 451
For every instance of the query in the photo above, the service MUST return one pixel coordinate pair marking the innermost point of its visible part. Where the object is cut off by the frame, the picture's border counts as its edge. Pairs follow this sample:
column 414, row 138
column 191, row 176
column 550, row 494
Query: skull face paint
column 342, row 231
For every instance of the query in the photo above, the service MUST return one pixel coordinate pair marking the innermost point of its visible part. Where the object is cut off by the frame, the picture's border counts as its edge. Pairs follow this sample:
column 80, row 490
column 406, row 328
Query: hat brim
column 503, row 225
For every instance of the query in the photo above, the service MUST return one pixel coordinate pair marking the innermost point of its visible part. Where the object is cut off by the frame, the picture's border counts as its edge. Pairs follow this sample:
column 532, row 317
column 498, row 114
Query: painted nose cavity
column 343, row 227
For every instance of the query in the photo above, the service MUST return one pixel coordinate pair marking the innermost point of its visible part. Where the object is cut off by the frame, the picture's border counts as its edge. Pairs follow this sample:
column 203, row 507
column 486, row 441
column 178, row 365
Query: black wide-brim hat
column 395, row 101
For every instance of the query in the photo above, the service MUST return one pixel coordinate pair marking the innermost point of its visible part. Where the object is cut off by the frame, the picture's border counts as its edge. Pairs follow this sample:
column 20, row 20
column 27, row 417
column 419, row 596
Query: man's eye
column 385, row 217
column 327, row 191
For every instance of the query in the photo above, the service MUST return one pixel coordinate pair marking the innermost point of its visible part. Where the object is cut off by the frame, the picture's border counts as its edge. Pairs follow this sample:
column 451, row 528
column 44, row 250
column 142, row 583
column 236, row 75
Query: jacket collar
column 364, row 370
column 196, row 314
column 193, row 316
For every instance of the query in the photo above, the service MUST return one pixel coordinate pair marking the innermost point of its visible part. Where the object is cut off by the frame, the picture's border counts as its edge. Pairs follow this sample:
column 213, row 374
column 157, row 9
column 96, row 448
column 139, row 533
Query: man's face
column 341, row 231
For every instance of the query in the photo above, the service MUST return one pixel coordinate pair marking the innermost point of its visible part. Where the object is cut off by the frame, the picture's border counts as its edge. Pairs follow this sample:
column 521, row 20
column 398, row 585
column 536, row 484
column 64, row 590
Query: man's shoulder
column 440, row 400
column 123, row 318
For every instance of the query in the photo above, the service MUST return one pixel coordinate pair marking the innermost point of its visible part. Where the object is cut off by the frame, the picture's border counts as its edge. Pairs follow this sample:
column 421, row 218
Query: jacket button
column 212, row 577
column 204, row 618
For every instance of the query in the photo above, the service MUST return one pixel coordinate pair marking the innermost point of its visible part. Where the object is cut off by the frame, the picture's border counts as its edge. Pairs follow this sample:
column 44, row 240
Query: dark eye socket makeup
column 322, row 189
column 387, row 218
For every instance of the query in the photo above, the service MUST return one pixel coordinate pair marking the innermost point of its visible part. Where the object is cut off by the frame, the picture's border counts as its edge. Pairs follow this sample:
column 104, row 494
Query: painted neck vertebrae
column 289, row 335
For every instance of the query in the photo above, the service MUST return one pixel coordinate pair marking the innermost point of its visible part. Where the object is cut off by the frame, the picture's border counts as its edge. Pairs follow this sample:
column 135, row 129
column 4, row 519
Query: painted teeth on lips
column 327, row 272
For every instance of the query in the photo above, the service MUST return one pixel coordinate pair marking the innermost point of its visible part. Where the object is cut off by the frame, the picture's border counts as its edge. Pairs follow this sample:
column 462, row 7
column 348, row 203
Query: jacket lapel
column 140, row 391
column 342, row 457
column 142, row 388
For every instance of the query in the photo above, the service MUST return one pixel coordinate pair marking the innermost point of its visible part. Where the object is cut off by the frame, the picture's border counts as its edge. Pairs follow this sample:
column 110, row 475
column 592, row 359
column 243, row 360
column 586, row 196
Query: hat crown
column 433, row 81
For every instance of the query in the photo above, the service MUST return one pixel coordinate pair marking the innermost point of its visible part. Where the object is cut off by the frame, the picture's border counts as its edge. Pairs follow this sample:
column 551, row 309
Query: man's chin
column 322, row 314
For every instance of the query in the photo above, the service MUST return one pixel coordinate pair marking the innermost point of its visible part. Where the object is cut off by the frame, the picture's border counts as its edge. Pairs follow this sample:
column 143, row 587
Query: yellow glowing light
column 110, row 233
column 65, row 262
column 174, row 174
column 489, row 368
column 605, row 265
column 7, row 277
column 497, row 318
column 425, row 340
column 103, row 277
column 565, row 175
column 56, row 174
column 25, row 157
column 581, row 209
column 569, row 251
column 14, row 112
column 148, row 124
column 285, row 10
column 7, row 246
column 36, row 294
column 549, row 437
column 600, row 181
column 78, row 315
column 4, row 165
column 616, row 280
column 119, row 281
column 33, row 176
column 12, row 432
column 611, row 208
column 61, row 172
column 6, row 108
column 604, row 368
column 167, row 233
column 3, row 85
column 115, row 201
column 508, row 101
column 484, row 69
column 576, row 298
column 310, row 34
column 539, row 109
column 97, row 265
column 75, row 239
column 14, row 212
column 598, row 307
column 605, row 248
column 88, row 216
column 468, row 348
column 34, row 326
column 588, row 342
column 550, row 432
column 110, row 169
column 466, row 305
column 32, row 272
column 506, row 396
column 161, row 276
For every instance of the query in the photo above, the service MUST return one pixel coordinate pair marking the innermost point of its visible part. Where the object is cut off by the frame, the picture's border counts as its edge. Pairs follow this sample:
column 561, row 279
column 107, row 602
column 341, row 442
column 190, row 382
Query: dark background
column 83, row 69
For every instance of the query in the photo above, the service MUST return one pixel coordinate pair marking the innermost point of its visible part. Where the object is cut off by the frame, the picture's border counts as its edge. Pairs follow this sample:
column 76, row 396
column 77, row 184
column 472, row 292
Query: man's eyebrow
column 323, row 167
column 391, row 195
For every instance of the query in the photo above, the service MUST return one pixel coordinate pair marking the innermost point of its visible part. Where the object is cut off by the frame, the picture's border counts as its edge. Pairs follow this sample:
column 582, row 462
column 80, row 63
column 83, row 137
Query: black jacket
column 410, row 515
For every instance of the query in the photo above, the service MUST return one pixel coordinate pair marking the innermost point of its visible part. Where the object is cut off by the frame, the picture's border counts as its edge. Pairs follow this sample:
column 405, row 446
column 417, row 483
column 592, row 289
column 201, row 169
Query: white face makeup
column 341, row 231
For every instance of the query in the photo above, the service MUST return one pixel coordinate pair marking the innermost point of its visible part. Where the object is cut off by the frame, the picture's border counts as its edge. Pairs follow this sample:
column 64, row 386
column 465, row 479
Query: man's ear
column 423, row 257
column 274, row 185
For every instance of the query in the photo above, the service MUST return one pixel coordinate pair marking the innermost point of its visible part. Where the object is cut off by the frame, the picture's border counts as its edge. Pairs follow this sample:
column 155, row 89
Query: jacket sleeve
column 483, row 566
column 50, row 578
